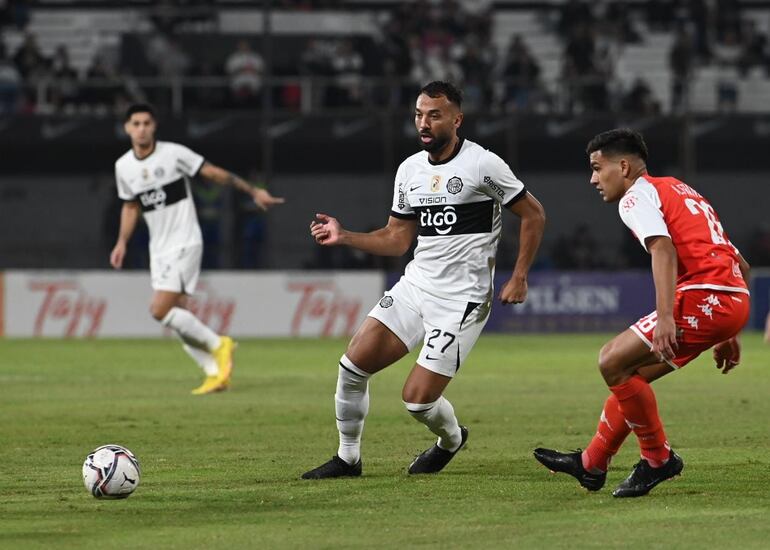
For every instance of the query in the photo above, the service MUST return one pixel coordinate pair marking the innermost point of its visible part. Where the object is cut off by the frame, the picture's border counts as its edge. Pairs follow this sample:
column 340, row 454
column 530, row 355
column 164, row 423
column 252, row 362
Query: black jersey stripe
column 456, row 219
column 516, row 198
column 160, row 197
column 403, row 216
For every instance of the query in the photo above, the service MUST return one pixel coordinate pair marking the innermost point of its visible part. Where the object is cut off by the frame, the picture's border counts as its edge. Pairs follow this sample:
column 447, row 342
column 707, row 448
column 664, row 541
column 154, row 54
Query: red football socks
column 610, row 434
column 640, row 409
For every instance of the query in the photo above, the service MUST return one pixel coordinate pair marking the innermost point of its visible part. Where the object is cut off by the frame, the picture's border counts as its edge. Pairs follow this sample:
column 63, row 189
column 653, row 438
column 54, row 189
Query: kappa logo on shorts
column 454, row 185
column 386, row 301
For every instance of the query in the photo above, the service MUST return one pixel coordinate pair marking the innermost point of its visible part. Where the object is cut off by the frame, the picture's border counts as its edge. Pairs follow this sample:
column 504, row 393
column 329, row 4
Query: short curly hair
column 438, row 88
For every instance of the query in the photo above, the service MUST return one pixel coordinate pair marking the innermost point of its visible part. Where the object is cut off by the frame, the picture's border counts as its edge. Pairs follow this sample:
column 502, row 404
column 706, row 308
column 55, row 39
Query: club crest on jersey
column 386, row 301
column 454, row 185
column 159, row 172
column 435, row 183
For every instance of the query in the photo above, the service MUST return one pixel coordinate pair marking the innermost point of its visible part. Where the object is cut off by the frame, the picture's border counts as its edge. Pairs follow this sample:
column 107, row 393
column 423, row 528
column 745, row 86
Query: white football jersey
column 457, row 205
column 160, row 183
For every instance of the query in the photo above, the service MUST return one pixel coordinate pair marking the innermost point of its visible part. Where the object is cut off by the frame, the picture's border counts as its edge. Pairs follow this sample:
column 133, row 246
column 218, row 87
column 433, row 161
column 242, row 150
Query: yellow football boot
column 210, row 385
column 223, row 355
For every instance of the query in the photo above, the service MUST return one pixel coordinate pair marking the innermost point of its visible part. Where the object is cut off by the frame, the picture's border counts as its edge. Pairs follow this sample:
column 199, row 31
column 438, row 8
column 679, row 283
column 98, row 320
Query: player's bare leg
column 423, row 398
column 212, row 352
column 371, row 349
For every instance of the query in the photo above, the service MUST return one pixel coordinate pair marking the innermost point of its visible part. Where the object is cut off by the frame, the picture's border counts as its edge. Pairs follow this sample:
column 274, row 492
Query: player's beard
column 437, row 144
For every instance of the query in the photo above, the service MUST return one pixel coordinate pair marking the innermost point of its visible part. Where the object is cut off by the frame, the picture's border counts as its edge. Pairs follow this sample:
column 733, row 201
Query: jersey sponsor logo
column 401, row 196
column 413, row 187
column 629, row 201
column 456, row 219
column 386, row 301
column 489, row 182
column 432, row 200
column 454, row 185
column 155, row 199
column 435, row 183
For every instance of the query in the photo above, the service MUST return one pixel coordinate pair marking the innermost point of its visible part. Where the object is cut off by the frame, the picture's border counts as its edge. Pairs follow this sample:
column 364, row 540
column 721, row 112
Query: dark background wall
column 71, row 221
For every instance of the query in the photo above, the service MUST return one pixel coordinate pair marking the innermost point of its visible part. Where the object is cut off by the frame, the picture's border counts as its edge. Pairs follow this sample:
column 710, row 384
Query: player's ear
column 625, row 167
column 458, row 119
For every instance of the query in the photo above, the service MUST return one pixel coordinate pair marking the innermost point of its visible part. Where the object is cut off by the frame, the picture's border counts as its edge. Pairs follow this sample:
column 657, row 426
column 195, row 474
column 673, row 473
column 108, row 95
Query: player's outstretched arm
column 262, row 197
column 532, row 216
column 392, row 240
column 129, row 216
column 664, row 269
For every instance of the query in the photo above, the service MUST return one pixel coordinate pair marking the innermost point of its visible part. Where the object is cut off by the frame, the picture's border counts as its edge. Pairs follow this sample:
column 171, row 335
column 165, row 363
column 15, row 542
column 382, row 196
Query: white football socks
column 440, row 419
column 191, row 330
column 204, row 359
column 351, row 404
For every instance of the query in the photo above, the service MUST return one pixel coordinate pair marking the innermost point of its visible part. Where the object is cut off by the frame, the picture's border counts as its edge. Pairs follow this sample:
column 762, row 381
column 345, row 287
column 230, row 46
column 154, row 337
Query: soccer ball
column 111, row 471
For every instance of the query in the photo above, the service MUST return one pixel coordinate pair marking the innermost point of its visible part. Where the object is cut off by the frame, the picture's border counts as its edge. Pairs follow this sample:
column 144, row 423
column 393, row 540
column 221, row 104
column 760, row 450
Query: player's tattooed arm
column 262, row 197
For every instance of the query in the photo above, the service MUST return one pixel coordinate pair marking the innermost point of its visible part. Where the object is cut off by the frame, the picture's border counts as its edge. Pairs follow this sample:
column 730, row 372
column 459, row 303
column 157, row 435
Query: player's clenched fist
column 325, row 230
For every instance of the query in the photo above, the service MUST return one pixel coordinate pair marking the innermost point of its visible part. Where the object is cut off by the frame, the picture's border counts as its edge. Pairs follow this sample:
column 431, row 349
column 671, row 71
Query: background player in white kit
column 153, row 179
column 450, row 195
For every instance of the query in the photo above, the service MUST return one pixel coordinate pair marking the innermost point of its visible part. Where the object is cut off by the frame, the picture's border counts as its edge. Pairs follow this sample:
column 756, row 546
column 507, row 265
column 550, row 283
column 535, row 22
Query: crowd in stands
column 414, row 42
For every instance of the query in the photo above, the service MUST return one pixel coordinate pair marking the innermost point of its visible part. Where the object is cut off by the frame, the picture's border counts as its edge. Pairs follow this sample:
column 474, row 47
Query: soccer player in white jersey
column 450, row 195
column 153, row 180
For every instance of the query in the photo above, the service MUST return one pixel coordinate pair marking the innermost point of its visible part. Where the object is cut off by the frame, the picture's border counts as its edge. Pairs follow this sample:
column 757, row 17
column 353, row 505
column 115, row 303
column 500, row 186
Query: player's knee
column 158, row 311
column 412, row 393
column 609, row 364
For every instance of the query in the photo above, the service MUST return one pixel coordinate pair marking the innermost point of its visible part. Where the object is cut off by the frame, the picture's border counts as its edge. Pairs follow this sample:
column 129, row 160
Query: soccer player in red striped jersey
column 702, row 301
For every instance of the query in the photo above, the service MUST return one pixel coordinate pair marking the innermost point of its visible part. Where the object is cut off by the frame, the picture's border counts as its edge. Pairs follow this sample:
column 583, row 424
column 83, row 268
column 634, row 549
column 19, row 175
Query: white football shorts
column 177, row 271
column 448, row 329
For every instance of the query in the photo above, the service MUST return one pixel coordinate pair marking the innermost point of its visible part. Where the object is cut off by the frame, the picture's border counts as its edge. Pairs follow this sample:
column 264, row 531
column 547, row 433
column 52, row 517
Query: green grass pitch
column 222, row 471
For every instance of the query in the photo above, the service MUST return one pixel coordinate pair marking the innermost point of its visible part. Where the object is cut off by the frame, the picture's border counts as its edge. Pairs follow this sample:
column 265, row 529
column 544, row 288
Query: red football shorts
column 703, row 318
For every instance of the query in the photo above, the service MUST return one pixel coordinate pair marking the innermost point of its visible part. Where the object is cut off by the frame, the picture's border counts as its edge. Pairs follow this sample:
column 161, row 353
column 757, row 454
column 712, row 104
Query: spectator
column 65, row 89
column 347, row 67
column 245, row 68
column 168, row 56
column 680, row 61
column 10, row 84
column 29, row 60
column 640, row 100
column 727, row 54
column 521, row 75
column 476, row 69
column 754, row 48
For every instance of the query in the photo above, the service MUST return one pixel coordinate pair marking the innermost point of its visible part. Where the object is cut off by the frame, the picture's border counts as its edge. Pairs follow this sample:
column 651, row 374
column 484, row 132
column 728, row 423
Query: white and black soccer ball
column 111, row 471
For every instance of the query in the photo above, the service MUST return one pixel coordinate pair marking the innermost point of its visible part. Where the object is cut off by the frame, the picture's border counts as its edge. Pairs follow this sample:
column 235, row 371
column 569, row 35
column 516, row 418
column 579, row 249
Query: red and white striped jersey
column 666, row 206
